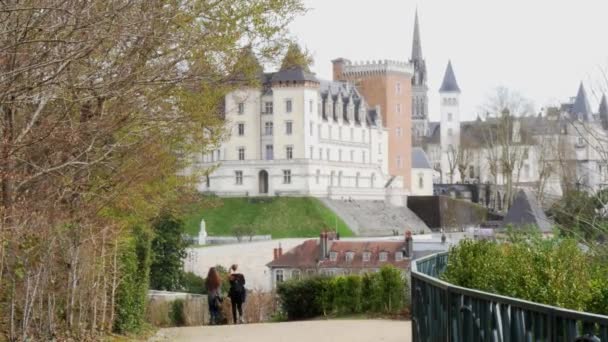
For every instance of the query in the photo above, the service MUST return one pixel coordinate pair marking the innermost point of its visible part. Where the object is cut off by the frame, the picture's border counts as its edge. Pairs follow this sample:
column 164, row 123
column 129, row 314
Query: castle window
column 286, row 176
column 269, row 152
column 239, row 177
column 241, row 107
column 398, row 108
column 324, row 108
column 363, row 157
column 420, row 181
column 399, row 162
column 289, row 152
column 398, row 88
column 320, row 153
column 295, row 274
column 340, row 155
column 268, row 107
column 311, row 128
column 317, row 176
column 288, row 105
column 352, row 134
column 449, row 117
column 345, row 112
column 241, row 129
column 352, row 155
column 312, row 152
column 310, row 104
column 449, row 132
column 471, row 172
column 288, row 127
column 334, row 112
column 268, row 128
column 328, row 154
column 241, row 153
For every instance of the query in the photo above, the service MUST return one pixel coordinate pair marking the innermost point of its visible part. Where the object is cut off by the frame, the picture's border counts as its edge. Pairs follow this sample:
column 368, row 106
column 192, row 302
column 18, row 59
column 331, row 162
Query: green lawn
column 282, row 217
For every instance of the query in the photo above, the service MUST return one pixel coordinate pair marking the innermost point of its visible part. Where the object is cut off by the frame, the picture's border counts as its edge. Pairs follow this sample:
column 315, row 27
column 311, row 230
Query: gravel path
column 305, row 331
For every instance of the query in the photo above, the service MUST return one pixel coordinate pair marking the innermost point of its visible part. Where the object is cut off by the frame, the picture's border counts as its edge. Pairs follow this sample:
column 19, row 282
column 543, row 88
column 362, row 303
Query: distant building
column 422, row 173
column 329, row 256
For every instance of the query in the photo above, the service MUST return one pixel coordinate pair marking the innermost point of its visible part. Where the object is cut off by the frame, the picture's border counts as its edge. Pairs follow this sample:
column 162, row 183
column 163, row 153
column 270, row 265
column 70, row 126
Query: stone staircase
column 376, row 218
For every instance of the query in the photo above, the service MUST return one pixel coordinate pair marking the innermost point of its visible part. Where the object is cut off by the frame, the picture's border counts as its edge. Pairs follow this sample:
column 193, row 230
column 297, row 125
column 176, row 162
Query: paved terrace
column 303, row 331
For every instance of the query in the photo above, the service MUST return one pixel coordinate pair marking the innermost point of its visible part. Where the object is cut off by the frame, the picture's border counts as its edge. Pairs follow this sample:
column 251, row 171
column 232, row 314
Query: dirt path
column 306, row 331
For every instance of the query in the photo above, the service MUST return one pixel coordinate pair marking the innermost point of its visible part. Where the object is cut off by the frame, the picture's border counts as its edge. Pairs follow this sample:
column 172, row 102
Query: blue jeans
column 214, row 309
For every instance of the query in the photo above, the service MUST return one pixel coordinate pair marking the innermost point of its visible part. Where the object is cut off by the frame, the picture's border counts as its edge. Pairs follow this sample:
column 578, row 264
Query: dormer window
column 333, row 256
column 367, row 256
column 399, row 256
column 383, row 256
column 350, row 256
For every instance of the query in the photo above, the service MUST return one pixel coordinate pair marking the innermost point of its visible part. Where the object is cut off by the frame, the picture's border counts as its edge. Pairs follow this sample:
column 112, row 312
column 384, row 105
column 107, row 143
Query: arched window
column 331, row 178
column 340, row 178
column 357, row 180
column 372, row 180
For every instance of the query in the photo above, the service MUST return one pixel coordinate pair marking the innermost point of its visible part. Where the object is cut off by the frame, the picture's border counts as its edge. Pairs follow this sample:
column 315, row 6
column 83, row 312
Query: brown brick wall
column 380, row 90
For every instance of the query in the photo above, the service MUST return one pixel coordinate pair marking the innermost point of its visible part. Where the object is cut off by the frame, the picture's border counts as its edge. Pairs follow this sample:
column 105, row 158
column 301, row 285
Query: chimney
column 321, row 246
column 275, row 254
column 409, row 244
column 280, row 250
column 328, row 241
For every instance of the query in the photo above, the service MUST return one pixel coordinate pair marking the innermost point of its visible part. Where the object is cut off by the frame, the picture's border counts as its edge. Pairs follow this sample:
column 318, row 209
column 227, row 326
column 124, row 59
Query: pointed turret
column 603, row 112
column 580, row 107
column 416, row 44
column 449, row 83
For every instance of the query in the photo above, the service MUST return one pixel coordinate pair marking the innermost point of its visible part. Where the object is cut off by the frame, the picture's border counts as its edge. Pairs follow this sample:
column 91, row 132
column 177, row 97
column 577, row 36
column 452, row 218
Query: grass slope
column 282, row 217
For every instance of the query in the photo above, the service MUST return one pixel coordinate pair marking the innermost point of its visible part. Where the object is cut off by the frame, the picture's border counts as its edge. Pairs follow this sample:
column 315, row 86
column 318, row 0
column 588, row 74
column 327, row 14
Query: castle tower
column 420, row 106
column 387, row 84
column 449, row 96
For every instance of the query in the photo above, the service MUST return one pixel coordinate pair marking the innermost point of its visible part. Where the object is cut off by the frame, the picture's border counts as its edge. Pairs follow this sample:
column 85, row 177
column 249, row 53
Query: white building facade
column 298, row 136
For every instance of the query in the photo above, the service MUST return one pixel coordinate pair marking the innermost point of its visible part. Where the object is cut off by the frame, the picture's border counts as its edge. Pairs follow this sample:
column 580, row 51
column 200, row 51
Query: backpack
column 238, row 288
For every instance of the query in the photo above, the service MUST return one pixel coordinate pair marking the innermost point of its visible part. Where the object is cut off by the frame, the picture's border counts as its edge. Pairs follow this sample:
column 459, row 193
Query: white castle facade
column 298, row 136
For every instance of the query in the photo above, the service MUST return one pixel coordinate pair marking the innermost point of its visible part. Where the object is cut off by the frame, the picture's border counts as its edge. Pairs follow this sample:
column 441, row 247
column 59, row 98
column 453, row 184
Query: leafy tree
column 295, row 58
column 168, row 253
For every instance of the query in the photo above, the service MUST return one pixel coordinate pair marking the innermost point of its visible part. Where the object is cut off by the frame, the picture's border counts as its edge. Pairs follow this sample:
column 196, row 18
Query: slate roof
column 449, row 83
column 293, row 74
column 526, row 211
column 580, row 108
column 603, row 112
column 420, row 159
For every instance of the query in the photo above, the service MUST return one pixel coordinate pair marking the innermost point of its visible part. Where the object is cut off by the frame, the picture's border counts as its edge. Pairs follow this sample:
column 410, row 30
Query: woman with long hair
column 214, row 295
column 237, row 294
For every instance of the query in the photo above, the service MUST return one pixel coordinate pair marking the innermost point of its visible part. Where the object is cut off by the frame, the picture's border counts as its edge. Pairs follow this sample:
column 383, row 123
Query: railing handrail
column 524, row 304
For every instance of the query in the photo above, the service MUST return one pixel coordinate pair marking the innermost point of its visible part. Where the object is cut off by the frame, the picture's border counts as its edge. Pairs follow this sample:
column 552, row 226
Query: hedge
column 555, row 272
column 383, row 292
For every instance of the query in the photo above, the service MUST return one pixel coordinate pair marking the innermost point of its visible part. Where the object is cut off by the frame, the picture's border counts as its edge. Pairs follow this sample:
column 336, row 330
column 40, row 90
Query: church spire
column 580, row 108
column 449, row 83
column 416, row 44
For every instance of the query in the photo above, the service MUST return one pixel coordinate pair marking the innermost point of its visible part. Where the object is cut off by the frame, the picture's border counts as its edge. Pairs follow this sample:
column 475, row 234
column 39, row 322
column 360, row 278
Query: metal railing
column 444, row 312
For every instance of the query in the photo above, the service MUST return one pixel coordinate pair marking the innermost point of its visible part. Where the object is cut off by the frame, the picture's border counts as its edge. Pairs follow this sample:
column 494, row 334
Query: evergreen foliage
column 554, row 272
column 384, row 292
column 131, row 297
column 296, row 58
column 168, row 253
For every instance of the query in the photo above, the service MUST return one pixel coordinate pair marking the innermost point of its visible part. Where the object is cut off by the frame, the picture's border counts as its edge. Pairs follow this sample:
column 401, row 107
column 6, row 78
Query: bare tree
column 505, row 141
column 96, row 99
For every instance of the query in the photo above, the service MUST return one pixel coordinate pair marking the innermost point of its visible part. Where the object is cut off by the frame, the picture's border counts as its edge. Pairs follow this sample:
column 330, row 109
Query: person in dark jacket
column 237, row 293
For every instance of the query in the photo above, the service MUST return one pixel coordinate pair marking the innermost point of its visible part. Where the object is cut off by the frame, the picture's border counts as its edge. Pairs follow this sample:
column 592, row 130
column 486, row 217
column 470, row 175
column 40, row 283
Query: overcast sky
column 541, row 48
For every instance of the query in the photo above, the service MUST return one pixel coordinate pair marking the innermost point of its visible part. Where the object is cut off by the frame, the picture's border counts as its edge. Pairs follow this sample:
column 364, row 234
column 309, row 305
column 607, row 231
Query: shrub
column 554, row 272
column 177, row 314
column 193, row 283
column 382, row 292
column 131, row 295
column 169, row 251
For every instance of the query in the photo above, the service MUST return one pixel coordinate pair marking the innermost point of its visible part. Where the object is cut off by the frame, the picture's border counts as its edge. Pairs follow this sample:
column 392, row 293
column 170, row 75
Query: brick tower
column 387, row 84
